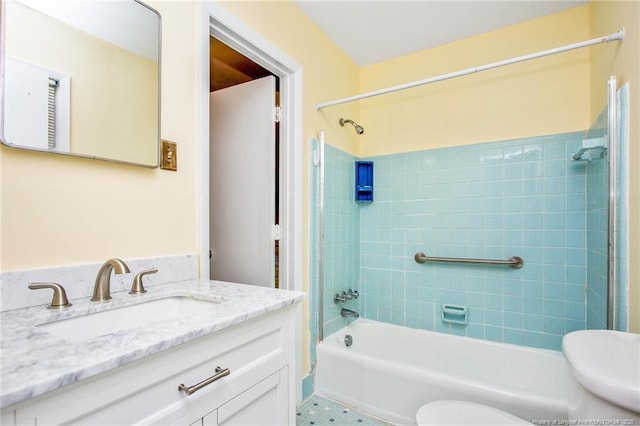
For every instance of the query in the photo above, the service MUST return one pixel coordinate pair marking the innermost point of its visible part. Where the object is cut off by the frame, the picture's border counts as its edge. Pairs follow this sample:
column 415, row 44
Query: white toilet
column 450, row 412
column 605, row 371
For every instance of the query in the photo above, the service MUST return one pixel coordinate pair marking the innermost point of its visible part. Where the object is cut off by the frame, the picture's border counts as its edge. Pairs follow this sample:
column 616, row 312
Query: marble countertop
column 34, row 362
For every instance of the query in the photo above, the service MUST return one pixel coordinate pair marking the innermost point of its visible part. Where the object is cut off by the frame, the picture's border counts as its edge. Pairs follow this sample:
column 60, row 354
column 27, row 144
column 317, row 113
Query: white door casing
column 216, row 21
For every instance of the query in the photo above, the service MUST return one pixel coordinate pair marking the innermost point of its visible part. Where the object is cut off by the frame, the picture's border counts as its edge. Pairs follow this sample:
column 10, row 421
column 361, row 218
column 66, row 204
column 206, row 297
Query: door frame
column 220, row 23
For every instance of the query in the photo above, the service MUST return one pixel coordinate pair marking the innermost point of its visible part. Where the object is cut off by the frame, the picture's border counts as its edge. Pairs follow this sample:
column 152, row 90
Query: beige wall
column 542, row 96
column 58, row 210
column 623, row 61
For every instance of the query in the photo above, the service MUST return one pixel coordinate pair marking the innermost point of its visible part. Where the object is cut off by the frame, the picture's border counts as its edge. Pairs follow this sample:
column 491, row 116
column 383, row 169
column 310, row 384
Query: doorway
column 244, row 169
column 218, row 22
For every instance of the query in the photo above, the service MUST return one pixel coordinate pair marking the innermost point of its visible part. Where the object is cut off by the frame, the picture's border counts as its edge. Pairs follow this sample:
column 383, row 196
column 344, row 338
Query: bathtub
column 391, row 371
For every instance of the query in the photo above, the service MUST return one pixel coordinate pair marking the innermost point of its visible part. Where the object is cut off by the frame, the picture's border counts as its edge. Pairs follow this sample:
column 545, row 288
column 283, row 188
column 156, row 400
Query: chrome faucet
column 348, row 313
column 102, row 289
column 346, row 295
column 340, row 298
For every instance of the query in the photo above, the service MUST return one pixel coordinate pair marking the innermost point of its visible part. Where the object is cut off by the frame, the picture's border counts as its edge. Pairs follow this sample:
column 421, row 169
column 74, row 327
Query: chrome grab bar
column 220, row 373
column 515, row 262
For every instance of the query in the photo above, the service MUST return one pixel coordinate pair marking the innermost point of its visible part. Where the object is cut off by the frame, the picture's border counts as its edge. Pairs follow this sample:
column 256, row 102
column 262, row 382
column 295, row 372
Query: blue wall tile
column 495, row 200
column 517, row 203
column 596, row 226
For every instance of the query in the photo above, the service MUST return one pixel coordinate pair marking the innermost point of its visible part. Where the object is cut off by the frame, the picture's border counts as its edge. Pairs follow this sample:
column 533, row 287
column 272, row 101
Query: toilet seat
column 450, row 412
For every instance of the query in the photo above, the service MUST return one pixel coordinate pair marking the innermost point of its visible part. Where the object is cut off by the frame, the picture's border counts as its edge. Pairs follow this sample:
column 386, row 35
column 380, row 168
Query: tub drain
column 348, row 340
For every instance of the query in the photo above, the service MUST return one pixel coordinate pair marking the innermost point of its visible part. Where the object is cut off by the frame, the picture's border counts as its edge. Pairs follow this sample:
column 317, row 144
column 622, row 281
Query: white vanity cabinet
column 258, row 390
column 255, row 406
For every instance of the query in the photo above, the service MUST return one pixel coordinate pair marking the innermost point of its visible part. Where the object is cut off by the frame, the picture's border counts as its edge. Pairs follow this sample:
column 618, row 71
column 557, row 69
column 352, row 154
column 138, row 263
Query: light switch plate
column 169, row 160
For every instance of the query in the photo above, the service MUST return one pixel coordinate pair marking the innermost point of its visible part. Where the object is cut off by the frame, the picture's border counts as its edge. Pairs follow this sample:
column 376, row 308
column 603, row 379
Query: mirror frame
column 71, row 154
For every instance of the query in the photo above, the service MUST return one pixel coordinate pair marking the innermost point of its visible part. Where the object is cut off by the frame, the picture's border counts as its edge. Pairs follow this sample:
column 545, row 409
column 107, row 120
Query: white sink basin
column 607, row 363
column 127, row 317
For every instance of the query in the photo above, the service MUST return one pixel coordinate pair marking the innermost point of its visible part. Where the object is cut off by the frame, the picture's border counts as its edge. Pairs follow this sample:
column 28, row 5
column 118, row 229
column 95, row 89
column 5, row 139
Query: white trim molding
column 217, row 21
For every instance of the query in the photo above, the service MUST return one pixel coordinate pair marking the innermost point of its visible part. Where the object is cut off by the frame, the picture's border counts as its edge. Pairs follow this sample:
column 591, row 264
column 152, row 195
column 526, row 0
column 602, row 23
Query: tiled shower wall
column 341, row 248
column 342, row 236
column 597, row 234
column 518, row 198
column 598, row 223
column 597, row 256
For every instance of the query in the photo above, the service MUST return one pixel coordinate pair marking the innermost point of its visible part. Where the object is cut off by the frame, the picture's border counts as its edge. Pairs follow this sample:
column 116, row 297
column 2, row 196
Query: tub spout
column 348, row 313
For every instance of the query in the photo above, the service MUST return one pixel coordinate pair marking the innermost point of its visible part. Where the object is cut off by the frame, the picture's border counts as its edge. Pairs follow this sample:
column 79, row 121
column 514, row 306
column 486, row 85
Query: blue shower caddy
column 364, row 181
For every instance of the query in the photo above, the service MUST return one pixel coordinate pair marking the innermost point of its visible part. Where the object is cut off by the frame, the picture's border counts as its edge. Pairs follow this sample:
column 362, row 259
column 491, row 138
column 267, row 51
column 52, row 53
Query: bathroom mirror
column 81, row 78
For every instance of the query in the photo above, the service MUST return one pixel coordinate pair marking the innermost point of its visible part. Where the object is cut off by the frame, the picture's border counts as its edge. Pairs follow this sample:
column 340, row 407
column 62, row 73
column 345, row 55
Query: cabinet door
column 265, row 403
column 8, row 417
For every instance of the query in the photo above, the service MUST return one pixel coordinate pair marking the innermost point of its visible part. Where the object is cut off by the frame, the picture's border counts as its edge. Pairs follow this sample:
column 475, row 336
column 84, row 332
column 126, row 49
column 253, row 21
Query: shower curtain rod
column 618, row 35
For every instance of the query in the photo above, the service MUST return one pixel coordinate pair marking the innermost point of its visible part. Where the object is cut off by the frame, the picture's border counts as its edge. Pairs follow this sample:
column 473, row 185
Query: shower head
column 359, row 128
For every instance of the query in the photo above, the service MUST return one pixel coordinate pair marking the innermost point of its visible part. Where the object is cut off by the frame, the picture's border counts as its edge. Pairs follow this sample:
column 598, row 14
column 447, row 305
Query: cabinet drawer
column 180, row 408
column 147, row 390
column 265, row 403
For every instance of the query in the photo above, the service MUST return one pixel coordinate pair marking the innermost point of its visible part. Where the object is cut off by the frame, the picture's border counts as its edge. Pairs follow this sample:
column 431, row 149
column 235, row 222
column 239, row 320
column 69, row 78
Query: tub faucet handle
column 59, row 300
column 340, row 297
column 137, row 286
column 353, row 293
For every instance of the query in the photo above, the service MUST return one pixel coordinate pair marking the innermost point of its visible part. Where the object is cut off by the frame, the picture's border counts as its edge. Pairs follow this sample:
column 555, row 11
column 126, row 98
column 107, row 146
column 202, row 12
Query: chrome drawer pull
column 220, row 373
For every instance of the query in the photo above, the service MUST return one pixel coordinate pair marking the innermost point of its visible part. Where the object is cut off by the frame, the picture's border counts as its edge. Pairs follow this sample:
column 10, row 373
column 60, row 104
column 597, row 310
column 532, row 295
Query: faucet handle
column 59, row 300
column 137, row 286
column 339, row 298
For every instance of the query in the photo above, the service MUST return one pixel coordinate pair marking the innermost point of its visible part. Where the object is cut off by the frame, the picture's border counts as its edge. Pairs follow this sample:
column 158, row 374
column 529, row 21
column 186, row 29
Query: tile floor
column 322, row 412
